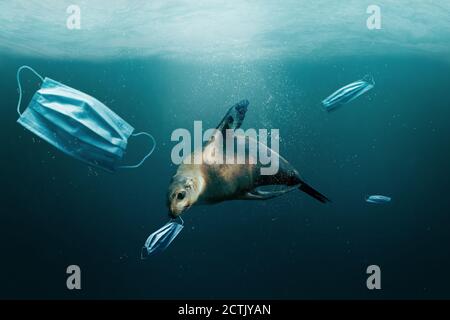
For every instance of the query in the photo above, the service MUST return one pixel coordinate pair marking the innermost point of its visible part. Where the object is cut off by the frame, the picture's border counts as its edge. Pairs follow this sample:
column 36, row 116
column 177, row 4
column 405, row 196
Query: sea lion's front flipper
column 234, row 117
column 264, row 195
column 232, row 120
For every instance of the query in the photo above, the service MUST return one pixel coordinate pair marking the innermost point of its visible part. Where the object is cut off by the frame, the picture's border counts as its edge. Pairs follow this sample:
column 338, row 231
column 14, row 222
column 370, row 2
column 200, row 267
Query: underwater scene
column 346, row 198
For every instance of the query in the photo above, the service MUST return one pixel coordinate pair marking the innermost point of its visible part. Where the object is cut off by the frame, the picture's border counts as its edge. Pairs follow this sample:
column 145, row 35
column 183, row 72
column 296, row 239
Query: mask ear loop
column 147, row 155
column 20, row 86
column 182, row 222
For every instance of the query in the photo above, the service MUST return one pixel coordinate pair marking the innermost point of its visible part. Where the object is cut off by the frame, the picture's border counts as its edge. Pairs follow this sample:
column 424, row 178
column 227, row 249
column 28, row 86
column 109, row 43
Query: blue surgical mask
column 77, row 124
column 348, row 93
column 161, row 238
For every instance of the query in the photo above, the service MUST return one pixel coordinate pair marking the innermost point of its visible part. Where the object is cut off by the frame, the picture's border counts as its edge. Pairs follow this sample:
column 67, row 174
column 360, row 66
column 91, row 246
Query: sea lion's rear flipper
column 233, row 119
column 313, row 193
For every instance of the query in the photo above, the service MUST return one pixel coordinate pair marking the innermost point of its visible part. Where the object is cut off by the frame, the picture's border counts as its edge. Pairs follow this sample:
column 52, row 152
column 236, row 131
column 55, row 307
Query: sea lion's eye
column 181, row 195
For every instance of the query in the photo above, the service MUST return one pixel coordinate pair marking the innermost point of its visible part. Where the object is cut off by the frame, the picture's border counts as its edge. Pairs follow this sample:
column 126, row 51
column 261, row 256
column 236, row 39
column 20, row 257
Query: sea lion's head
column 182, row 194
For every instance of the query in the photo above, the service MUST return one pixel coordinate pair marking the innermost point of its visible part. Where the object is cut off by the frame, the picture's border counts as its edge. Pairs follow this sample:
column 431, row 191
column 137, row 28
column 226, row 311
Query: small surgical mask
column 162, row 238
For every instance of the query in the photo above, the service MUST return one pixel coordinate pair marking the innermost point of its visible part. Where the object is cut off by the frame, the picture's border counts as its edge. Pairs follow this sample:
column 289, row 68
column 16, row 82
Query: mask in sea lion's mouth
column 172, row 215
column 177, row 213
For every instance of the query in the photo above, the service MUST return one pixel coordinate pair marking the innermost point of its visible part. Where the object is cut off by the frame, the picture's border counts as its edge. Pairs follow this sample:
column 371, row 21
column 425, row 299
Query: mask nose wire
column 175, row 219
column 147, row 155
column 20, row 86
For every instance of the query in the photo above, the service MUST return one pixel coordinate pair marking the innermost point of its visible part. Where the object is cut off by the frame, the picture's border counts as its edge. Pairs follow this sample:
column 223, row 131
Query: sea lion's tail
column 313, row 193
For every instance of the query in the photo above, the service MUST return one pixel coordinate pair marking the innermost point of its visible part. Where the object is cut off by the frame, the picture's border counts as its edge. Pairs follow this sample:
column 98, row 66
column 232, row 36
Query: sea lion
column 195, row 184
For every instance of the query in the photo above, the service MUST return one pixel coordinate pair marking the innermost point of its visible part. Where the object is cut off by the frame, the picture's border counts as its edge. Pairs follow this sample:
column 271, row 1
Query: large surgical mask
column 77, row 124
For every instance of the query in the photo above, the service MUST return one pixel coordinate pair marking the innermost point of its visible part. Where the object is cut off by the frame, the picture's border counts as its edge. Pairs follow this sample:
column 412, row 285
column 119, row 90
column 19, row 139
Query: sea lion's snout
column 180, row 198
column 172, row 215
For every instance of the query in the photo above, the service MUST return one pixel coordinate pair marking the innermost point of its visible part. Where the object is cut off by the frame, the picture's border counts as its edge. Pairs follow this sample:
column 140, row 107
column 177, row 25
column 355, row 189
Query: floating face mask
column 77, row 124
column 161, row 238
column 379, row 199
column 348, row 93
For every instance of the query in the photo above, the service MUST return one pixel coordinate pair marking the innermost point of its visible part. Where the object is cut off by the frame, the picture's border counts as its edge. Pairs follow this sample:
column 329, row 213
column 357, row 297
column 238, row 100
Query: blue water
column 394, row 140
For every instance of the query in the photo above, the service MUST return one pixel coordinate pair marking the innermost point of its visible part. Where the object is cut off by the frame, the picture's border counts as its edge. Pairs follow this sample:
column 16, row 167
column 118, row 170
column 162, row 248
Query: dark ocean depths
column 394, row 140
